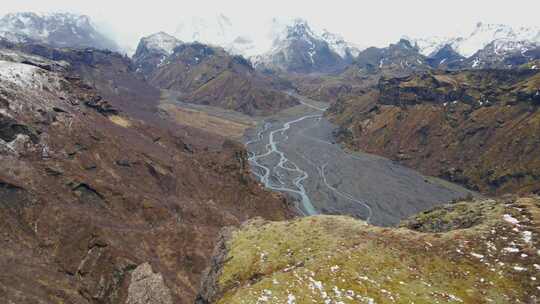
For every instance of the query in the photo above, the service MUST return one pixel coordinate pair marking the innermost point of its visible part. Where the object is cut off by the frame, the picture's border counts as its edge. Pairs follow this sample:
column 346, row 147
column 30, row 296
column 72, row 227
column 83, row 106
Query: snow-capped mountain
column 504, row 53
column 222, row 31
column 56, row 29
column 160, row 42
column 153, row 50
column 218, row 30
column 338, row 44
column 482, row 35
column 299, row 48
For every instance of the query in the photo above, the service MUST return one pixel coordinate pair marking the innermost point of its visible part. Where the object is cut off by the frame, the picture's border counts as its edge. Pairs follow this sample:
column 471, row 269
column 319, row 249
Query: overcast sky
column 366, row 22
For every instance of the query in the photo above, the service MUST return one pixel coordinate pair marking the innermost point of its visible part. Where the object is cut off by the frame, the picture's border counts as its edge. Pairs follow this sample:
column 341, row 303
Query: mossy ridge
column 332, row 259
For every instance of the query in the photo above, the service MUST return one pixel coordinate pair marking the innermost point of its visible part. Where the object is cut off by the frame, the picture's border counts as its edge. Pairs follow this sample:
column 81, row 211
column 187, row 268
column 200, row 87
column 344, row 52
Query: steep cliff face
column 102, row 206
column 471, row 252
column 478, row 128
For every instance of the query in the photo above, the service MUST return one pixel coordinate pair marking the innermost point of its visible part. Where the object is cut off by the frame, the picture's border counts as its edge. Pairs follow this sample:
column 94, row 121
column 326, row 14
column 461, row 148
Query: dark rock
column 88, row 195
column 10, row 128
column 54, row 171
column 123, row 163
column 101, row 106
column 12, row 196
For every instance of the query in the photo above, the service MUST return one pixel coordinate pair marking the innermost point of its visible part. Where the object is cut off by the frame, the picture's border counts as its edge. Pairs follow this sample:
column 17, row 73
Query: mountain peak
column 161, row 42
column 300, row 29
column 405, row 43
column 56, row 29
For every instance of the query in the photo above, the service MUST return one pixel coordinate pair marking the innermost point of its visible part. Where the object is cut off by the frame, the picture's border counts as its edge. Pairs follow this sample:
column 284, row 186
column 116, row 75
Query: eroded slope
column 478, row 128
column 99, row 206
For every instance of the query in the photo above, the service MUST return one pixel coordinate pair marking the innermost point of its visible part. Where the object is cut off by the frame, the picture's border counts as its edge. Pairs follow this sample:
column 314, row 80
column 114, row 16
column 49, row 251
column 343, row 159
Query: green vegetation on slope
column 332, row 259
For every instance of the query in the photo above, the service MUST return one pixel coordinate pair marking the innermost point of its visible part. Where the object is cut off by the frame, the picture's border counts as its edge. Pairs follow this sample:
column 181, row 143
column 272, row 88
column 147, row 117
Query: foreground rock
column 479, row 252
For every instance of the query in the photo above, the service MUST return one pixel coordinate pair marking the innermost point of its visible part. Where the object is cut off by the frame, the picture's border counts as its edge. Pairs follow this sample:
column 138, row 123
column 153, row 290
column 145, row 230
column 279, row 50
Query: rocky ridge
column 464, row 126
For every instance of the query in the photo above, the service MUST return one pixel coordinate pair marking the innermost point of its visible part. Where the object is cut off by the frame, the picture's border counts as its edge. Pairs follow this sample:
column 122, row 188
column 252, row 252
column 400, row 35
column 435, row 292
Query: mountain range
column 56, row 29
column 292, row 45
column 482, row 35
column 208, row 75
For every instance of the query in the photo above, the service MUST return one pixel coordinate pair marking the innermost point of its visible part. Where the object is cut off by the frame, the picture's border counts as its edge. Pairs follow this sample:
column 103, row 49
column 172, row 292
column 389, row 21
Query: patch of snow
column 161, row 42
column 511, row 249
column 510, row 219
column 527, row 236
column 23, row 75
column 476, row 255
column 454, row 298
column 519, row 268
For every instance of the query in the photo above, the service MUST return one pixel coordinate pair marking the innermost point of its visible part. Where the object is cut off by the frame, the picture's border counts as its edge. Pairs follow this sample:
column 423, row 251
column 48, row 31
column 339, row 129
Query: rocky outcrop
column 210, row 289
column 147, row 287
column 469, row 252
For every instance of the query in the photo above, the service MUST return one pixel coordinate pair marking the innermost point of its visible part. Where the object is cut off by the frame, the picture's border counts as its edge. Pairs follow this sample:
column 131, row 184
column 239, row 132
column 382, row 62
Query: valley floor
column 294, row 152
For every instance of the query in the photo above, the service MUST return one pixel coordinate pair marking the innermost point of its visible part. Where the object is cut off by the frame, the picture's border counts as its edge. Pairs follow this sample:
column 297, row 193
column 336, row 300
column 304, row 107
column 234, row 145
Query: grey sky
column 369, row 22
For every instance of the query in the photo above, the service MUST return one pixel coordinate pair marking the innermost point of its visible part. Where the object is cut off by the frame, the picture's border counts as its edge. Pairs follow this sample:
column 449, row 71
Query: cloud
column 371, row 22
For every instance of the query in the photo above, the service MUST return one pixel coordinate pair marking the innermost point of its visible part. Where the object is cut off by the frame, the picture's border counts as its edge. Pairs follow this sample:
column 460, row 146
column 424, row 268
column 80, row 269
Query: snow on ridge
column 161, row 42
column 23, row 75
column 339, row 45
column 505, row 37
column 298, row 28
column 430, row 45
column 221, row 31
column 39, row 25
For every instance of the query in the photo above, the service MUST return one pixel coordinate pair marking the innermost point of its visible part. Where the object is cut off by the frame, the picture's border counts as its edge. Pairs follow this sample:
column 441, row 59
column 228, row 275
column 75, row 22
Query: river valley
column 294, row 152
